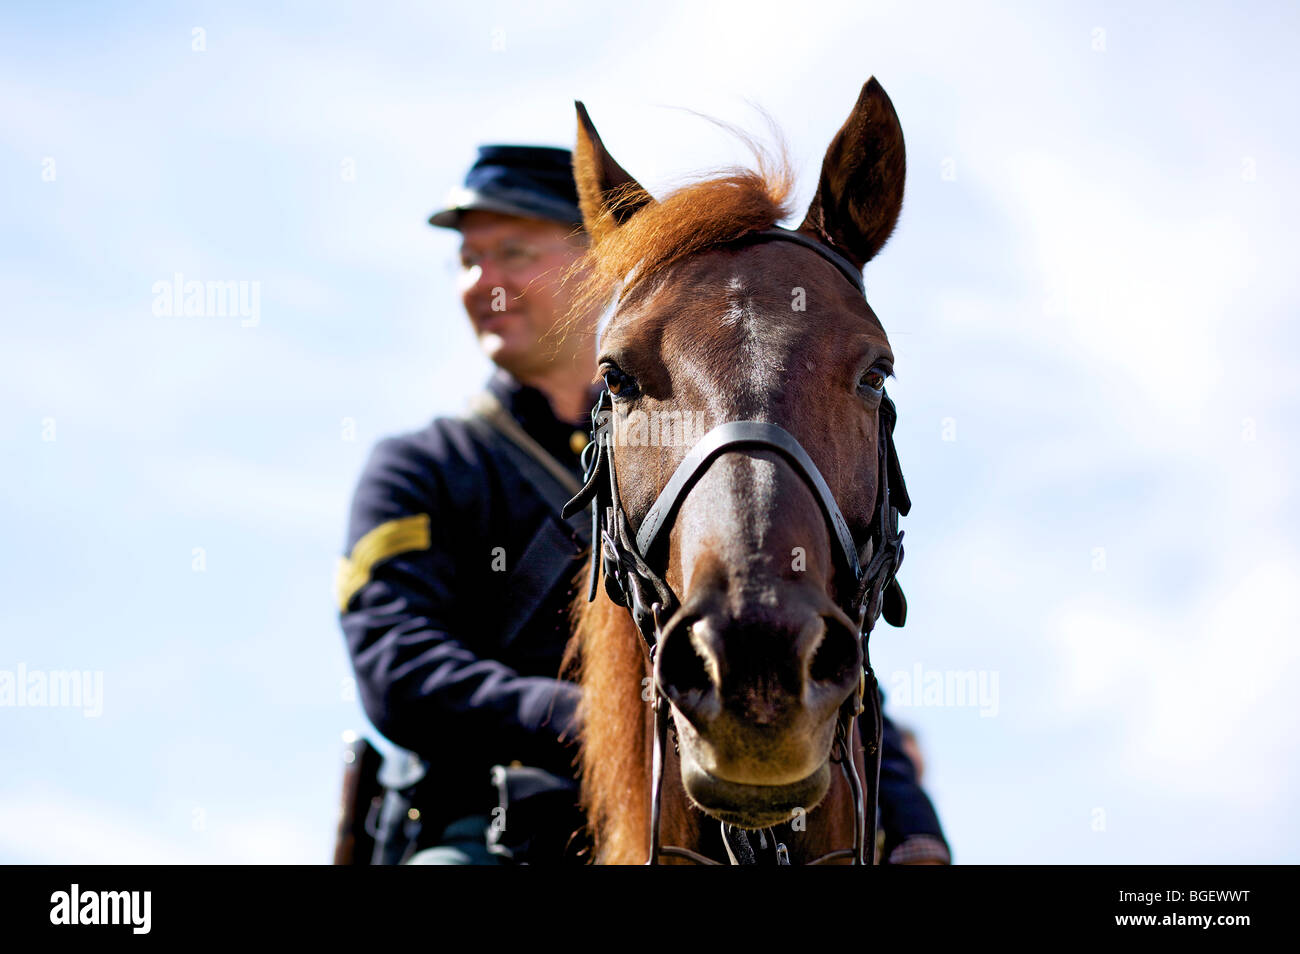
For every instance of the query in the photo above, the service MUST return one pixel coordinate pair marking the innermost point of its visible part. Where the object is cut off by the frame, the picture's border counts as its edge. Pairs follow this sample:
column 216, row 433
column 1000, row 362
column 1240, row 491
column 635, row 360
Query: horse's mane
column 608, row 657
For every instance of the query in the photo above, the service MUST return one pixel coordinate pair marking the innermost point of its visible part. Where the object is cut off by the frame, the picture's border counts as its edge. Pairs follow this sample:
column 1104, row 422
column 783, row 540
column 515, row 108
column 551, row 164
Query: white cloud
column 1188, row 692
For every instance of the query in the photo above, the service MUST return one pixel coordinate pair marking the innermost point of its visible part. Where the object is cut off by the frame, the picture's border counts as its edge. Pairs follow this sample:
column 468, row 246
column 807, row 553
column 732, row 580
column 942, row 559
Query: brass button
column 578, row 442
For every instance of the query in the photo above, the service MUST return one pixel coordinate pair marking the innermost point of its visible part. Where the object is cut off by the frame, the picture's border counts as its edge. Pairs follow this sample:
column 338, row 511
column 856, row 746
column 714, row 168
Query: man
column 455, row 592
column 459, row 573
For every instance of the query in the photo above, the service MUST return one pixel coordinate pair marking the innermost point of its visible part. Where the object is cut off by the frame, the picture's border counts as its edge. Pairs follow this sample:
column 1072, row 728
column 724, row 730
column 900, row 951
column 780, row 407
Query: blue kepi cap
column 535, row 182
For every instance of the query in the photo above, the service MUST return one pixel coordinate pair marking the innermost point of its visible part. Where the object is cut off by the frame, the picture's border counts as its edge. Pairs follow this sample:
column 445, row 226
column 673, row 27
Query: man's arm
column 408, row 608
column 913, row 834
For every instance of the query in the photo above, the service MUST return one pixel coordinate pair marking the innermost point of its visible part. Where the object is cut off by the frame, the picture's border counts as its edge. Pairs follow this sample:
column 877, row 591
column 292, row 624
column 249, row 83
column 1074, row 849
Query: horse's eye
column 873, row 380
column 621, row 384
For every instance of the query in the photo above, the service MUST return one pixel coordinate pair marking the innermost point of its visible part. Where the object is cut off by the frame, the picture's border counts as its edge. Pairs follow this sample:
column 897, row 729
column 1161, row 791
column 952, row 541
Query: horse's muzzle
column 753, row 806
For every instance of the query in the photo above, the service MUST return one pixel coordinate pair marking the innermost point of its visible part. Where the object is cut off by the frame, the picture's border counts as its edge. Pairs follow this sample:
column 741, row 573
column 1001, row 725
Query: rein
column 631, row 582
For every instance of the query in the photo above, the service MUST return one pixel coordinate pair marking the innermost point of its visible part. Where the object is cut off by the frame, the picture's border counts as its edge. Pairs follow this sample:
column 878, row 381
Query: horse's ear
column 607, row 195
column 860, row 192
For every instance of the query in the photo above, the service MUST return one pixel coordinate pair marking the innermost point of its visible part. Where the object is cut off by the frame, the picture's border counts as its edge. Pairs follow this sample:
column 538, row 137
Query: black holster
column 537, row 819
column 399, row 820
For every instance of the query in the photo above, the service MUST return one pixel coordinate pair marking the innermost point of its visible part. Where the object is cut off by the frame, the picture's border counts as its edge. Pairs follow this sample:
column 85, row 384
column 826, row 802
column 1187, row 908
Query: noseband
column 872, row 590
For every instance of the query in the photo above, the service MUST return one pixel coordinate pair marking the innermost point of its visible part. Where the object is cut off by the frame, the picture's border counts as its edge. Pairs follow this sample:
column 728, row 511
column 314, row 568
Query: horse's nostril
column 836, row 658
column 682, row 670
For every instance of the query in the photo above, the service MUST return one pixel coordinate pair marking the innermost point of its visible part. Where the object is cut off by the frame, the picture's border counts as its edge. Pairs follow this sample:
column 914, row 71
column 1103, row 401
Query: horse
column 748, row 542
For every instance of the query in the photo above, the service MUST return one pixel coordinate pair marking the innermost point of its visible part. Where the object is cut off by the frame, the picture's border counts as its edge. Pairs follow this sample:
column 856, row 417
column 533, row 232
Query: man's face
column 511, row 286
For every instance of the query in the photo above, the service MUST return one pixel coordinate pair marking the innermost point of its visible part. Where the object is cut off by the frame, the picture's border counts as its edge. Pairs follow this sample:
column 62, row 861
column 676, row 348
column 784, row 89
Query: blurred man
column 455, row 590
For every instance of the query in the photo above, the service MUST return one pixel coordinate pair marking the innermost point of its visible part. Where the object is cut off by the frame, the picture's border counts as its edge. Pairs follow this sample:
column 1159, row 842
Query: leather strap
column 486, row 407
column 549, row 556
column 728, row 436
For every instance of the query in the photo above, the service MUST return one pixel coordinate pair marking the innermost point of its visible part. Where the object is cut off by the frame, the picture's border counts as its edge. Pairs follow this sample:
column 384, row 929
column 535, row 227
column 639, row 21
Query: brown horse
column 744, row 594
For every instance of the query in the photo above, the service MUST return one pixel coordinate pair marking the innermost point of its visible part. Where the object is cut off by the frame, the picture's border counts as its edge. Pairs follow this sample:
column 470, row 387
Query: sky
column 1090, row 297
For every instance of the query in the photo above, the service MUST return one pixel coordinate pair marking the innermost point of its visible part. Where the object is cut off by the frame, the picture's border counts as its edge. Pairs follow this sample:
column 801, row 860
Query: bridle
column 630, row 581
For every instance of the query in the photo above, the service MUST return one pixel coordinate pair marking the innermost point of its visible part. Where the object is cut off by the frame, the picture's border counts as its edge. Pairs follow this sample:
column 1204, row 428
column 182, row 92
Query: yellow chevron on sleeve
column 382, row 543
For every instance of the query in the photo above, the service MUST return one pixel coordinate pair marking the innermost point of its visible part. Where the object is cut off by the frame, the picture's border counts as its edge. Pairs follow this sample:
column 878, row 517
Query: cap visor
column 449, row 218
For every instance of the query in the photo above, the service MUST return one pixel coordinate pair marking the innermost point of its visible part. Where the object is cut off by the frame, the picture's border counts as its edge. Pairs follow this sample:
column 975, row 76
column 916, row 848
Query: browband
column 849, row 270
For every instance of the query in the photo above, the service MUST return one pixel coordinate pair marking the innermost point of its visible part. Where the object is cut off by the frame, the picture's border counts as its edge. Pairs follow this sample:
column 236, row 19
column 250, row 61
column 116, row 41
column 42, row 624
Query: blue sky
column 1090, row 296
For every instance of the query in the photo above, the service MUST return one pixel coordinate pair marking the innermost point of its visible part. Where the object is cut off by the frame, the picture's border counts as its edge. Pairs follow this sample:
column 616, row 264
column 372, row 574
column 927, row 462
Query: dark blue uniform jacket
column 438, row 562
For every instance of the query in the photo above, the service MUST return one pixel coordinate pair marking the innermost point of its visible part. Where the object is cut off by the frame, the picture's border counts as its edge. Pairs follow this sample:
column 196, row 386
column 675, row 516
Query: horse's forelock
column 698, row 216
